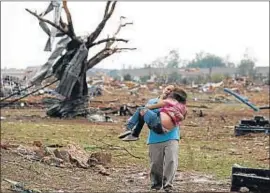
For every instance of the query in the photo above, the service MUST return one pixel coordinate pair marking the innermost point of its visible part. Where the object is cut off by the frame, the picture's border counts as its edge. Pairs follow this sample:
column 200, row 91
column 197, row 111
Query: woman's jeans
column 151, row 118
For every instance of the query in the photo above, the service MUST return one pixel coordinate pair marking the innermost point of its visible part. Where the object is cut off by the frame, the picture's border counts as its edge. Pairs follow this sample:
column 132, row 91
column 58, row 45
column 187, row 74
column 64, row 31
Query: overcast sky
column 221, row 28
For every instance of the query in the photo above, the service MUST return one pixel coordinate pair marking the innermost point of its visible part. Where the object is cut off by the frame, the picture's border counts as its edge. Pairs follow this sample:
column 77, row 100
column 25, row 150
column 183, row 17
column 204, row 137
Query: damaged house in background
column 68, row 62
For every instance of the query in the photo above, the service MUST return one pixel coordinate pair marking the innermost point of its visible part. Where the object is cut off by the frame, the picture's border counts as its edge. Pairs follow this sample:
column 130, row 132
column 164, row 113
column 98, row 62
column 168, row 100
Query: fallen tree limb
column 101, row 101
column 198, row 106
column 191, row 125
column 120, row 148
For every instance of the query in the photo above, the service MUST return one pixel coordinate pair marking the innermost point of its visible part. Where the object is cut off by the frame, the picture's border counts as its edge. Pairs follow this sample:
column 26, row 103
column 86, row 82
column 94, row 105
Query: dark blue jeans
column 151, row 118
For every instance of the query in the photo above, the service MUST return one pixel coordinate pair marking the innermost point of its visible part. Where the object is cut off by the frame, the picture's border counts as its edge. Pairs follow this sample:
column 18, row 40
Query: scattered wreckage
column 256, row 180
column 256, row 125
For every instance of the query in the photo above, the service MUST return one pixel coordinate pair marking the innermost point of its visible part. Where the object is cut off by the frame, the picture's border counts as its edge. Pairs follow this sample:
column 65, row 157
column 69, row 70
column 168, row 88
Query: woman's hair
column 179, row 94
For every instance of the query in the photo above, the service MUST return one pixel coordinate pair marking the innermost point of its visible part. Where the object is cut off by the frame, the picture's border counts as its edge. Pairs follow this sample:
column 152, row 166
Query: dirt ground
column 208, row 149
column 122, row 179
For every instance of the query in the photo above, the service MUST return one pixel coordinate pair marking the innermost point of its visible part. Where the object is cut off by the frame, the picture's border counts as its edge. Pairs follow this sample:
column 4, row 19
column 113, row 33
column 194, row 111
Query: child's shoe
column 130, row 138
column 124, row 134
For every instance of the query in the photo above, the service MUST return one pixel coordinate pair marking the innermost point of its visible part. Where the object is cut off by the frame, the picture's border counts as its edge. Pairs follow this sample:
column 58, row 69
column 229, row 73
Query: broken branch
column 110, row 43
column 69, row 19
column 121, row 49
column 93, row 36
column 112, row 9
column 106, row 52
column 107, row 101
column 63, row 25
column 125, row 24
column 47, row 21
column 122, row 25
column 108, row 40
column 198, row 106
column 98, row 57
column 107, row 8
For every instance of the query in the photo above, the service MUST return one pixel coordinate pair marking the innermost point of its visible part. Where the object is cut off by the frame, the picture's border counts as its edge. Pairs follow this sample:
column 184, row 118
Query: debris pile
column 257, row 125
column 255, row 180
column 65, row 157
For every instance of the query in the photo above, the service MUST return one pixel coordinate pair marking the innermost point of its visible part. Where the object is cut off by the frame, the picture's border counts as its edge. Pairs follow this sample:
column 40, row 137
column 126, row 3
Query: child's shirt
column 175, row 110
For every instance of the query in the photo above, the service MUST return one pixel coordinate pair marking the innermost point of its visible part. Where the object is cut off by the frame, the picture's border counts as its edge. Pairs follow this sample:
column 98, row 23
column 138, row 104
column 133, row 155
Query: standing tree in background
column 127, row 77
column 163, row 64
column 160, row 64
column 246, row 67
column 174, row 77
column 173, row 59
column 247, row 64
column 209, row 61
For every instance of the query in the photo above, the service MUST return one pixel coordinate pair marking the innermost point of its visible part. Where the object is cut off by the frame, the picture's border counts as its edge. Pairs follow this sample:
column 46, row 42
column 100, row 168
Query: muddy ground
column 121, row 179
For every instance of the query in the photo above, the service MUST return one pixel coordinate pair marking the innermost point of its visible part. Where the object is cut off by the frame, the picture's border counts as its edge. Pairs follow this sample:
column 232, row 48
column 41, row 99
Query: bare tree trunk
column 72, row 67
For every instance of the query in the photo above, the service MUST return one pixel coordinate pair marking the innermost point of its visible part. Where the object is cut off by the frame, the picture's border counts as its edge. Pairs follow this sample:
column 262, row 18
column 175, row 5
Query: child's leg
column 153, row 121
column 134, row 119
column 136, row 132
column 134, row 135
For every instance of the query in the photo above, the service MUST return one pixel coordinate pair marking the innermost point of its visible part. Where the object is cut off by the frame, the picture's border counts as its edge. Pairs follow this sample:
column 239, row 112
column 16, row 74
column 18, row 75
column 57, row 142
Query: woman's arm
column 157, row 105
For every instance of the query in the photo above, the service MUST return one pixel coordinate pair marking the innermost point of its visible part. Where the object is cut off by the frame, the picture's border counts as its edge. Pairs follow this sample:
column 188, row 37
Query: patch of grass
column 214, row 159
column 91, row 148
column 91, row 137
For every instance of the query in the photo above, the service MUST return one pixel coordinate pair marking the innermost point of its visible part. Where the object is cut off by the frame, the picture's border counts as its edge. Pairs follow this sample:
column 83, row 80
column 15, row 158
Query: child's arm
column 182, row 116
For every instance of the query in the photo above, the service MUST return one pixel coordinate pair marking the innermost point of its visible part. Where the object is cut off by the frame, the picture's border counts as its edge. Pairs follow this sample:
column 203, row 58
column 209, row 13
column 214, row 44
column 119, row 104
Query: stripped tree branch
column 122, row 25
column 98, row 57
column 111, row 10
column 106, row 52
column 129, row 23
column 110, row 43
column 63, row 24
column 69, row 19
column 122, row 49
column 47, row 21
column 93, row 36
column 108, row 40
column 107, row 8
column 54, row 25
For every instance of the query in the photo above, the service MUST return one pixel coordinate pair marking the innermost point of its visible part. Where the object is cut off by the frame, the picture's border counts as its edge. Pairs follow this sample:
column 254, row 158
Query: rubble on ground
column 68, row 156
column 121, row 98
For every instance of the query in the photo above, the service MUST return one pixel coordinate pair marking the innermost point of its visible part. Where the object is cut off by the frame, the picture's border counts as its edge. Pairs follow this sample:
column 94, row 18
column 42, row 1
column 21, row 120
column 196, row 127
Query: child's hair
column 179, row 94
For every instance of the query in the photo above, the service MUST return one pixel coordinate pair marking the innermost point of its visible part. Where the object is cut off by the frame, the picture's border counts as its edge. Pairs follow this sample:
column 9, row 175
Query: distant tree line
column 201, row 60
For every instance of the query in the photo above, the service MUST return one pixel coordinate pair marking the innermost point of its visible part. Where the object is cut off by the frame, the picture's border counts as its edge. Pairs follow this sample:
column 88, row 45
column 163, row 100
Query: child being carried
column 172, row 111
